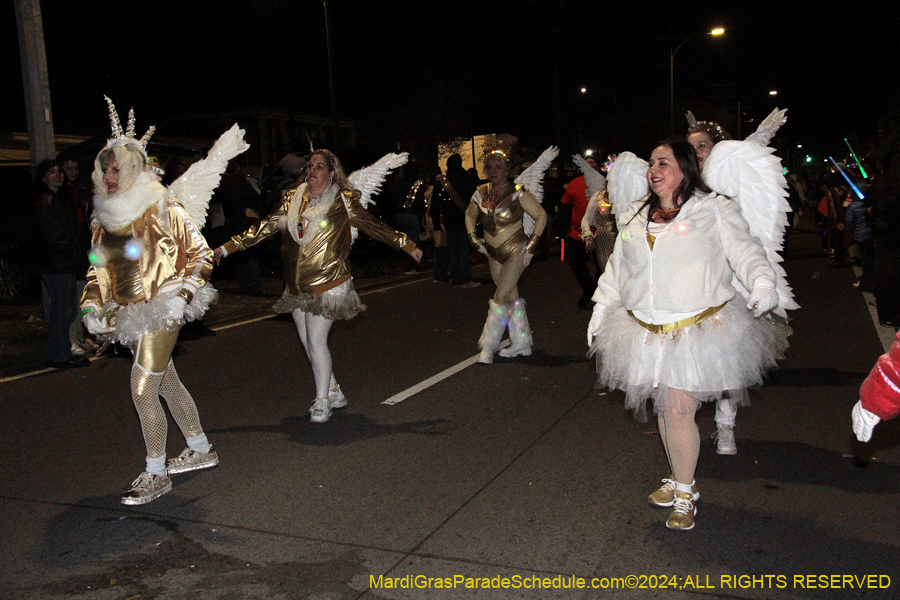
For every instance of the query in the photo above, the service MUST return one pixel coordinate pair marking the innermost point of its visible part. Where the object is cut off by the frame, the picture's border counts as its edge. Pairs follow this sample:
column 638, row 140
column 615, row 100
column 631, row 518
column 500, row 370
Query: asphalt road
column 520, row 469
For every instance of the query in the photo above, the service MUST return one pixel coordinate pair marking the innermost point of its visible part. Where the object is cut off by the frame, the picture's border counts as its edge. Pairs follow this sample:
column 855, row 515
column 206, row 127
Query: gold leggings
column 153, row 375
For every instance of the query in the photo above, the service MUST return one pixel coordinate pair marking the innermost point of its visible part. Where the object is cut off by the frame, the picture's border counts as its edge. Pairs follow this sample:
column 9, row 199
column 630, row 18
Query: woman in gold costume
column 149, row 274
column 315, row 222
column 501, row 206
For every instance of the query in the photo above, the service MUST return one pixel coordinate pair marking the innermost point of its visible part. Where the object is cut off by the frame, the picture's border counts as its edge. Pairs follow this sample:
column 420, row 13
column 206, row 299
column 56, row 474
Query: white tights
column 313, row 331
column 680, row 436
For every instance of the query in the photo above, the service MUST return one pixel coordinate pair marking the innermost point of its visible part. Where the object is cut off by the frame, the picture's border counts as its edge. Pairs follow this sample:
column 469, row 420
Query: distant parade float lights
column 717, row 31
column 856, row 158
column 858, row 193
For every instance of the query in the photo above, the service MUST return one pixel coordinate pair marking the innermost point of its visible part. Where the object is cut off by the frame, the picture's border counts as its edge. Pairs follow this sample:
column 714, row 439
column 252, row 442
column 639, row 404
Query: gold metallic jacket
column 172, row 258
column 323, row 263
column 503, row 225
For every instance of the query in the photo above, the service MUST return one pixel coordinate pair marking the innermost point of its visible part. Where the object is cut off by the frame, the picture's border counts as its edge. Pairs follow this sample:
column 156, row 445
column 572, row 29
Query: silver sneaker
column 147, row 488
column 320, row 411
column 725, row 443
column 191, row 460
column 336, row 398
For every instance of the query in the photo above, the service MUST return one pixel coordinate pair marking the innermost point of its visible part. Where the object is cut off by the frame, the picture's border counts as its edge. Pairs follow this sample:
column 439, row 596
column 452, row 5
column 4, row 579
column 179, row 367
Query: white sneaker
column 510, row 351
column 486, row 357
column 336, row 398
column 77, row 350
column 147, row 488
column 320, row 411
column 725, row 443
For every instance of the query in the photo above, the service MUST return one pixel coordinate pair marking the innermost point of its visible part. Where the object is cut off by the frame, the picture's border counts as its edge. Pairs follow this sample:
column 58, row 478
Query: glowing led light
column 323, row 224
column 717, row 31
column 856, row 158
column 93, row 258
column 858, row 193
column 133, row 249
column 626, row 236
column 681, row 227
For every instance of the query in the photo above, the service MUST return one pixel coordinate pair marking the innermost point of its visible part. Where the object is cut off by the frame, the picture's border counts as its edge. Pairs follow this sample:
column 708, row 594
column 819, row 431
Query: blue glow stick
column 858, row 193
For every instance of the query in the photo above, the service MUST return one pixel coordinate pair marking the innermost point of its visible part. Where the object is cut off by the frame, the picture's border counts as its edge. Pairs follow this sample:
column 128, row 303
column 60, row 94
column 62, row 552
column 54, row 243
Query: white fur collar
column 124, row 208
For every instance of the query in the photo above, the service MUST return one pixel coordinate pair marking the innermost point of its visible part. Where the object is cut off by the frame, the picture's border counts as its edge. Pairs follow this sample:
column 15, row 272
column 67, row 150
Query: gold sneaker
column 665, row 496
column 682, row 515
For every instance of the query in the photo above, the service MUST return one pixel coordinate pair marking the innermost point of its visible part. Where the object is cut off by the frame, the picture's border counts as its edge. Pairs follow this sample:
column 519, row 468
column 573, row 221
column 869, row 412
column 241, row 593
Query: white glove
column 594, row 324
column 863, row 422
column 95, row 324
column 526, row 259
column 483, row 249
column 175, row 308
column 763, row 300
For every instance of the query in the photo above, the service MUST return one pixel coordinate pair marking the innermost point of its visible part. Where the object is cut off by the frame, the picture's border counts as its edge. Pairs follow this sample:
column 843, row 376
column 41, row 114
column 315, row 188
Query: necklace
column 495, row 195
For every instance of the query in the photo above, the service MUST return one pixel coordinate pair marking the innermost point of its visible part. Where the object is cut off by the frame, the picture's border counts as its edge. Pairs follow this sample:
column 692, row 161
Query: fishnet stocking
column 680, row 436
column 313, row 331
column 145, row 394
column 181, row 405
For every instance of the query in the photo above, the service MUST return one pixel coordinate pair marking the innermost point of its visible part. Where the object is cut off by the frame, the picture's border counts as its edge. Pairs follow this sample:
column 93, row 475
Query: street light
column 715, row 33
column 773, row 92
column 584, row 90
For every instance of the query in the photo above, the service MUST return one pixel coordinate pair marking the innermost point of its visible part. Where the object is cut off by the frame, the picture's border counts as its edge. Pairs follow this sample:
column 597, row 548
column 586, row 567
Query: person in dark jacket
column 63, row 260
column 449, row 201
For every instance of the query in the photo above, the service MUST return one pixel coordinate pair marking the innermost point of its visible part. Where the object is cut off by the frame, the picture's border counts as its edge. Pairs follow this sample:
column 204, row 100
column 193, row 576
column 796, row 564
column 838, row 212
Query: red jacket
column 880, row 392
column 576, row 195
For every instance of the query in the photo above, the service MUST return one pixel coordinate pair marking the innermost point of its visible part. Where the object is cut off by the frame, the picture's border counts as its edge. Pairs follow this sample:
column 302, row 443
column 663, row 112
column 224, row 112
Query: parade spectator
column 63, row 256
column 449, row 199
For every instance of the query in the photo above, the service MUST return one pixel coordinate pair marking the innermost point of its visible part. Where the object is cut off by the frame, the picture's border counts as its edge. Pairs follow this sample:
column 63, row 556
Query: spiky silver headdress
column 713, row 130
column 120, row 138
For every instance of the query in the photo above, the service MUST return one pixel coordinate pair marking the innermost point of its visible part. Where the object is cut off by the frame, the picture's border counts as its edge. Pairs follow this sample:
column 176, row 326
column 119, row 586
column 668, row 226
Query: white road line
column 397, row 398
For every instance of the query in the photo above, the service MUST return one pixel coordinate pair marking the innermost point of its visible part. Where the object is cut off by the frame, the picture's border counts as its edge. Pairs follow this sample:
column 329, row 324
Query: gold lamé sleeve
column 375, row 229
column 472, row 221
column 261, row 230
column 534, row 209
column 199, row 256
column 91, row 297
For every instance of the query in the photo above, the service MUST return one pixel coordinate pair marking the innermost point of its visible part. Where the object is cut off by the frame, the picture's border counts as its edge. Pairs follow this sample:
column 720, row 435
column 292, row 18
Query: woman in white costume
column 667, row 324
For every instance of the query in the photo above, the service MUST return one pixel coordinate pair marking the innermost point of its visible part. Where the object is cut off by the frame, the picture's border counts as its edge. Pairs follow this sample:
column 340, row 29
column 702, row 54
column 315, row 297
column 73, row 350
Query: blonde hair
column 334, row 164
column 132, row 162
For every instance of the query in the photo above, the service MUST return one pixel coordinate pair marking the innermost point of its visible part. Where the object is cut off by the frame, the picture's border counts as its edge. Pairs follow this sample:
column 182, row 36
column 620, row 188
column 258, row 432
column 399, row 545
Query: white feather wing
column 368, row 180
column 767, row 129
column 594, row 180
column 531, row 179
column 195, row 187
column 627, row 183
column 752, row 175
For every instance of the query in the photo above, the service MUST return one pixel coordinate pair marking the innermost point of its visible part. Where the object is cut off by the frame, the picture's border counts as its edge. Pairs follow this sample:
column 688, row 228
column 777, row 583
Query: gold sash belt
column 670, row 327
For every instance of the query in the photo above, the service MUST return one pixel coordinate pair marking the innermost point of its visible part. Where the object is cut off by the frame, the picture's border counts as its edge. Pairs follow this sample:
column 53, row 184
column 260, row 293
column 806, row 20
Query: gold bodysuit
column 322, row 262
column 504, row 233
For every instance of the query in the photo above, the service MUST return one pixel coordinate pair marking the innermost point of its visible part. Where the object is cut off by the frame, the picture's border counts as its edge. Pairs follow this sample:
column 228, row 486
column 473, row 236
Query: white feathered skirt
column 719, row 357
column 337, row 304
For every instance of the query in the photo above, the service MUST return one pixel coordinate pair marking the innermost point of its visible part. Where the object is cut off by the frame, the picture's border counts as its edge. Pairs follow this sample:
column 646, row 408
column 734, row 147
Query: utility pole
column 334, row 119
column 41, row 142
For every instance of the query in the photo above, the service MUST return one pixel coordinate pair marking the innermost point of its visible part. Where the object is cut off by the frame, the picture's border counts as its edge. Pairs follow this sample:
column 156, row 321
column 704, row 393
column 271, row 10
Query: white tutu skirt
column 340, row 303
column 718, row 358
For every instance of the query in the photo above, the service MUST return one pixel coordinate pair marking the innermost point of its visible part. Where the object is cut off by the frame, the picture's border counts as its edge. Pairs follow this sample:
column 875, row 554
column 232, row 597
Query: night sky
column 417, row 73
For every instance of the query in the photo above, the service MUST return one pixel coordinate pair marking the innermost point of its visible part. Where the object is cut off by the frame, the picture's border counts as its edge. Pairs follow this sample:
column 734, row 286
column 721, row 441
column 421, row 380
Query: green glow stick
column 858, row 164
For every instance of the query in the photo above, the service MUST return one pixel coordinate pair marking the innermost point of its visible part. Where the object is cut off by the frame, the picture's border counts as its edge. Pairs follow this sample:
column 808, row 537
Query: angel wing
column 531, row 179
column 368, row 180
column 752, row 175
column 766, row 130
column 594, row 180
column 627, row 182
column 195, row 187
